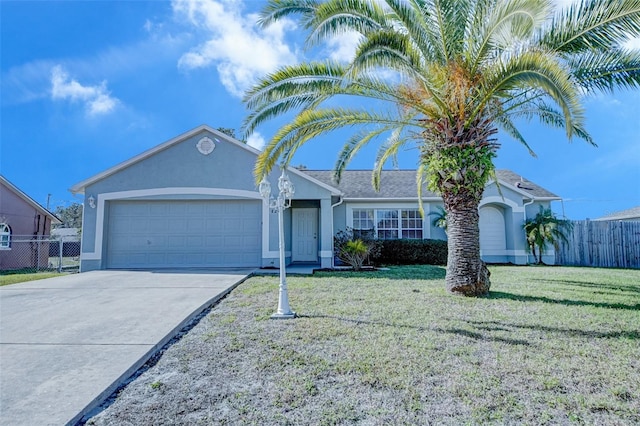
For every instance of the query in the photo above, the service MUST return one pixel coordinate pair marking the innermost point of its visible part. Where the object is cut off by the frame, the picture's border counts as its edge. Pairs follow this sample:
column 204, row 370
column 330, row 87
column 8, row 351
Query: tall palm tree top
column 458, row 64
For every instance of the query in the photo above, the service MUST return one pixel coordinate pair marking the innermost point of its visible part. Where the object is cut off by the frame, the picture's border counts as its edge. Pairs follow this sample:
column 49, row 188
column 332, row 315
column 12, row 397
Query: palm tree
column 544, row 229
column 443, row 76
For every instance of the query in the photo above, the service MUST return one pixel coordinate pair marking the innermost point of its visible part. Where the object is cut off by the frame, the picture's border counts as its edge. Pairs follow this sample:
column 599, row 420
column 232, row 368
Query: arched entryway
column 492, row 231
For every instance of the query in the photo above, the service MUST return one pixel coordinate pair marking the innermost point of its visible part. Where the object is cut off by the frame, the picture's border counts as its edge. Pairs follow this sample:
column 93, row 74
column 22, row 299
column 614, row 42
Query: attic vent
column 205, row 146
column 523, row 185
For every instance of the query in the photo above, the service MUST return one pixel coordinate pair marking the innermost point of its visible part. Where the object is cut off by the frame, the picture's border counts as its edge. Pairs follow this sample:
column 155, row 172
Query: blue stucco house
column 192, row 202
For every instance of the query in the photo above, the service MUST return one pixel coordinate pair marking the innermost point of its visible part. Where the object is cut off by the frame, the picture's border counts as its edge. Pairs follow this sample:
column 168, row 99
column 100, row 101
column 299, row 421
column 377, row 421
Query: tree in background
column 545, row 229
column 443, row 76
column 70, row 216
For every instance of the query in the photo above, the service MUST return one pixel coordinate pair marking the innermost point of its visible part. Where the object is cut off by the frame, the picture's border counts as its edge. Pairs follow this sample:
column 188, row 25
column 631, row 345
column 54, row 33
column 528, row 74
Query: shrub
column 412, row 252
column 355, row 252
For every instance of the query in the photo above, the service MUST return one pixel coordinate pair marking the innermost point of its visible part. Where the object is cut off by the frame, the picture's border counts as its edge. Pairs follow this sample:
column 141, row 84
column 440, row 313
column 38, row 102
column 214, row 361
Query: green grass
column 20, row 277
column 550, row 345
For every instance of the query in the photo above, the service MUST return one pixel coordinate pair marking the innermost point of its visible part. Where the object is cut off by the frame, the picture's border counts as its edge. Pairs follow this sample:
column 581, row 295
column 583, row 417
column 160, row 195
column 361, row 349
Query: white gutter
column 333, row 206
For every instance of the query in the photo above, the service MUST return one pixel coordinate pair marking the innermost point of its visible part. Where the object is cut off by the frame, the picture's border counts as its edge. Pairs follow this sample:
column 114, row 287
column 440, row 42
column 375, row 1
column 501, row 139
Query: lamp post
column 282, row 202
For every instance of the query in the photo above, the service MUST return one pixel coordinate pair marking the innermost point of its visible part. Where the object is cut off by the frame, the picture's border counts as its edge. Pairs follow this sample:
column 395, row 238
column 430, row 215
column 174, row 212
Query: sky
column 86, row 85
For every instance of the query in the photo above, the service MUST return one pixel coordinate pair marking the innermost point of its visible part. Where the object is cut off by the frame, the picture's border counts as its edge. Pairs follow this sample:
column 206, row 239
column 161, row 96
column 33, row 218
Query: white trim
column 325, row 253
column 426, row 226
column 333, row 190
column 138, row 193
column 275, row 254
column 394, row 200
column 520, row 191
column 495, row 199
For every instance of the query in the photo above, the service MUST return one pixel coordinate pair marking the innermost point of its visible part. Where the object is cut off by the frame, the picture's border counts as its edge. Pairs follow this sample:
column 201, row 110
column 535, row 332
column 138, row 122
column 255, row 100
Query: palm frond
column 388, row 150
column 502, row 25
column 351, row 148
column 279, row 9
column 309, row 124
column 616, row 68
column 592, row 25
column 507, row 125
column 538, row 70
column 333, row 18
column 387, row 49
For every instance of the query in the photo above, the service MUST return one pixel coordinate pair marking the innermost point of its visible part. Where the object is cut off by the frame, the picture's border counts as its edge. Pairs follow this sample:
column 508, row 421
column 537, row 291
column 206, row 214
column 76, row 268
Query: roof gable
column 30, row 201
column 158, row 150
column 79, row 187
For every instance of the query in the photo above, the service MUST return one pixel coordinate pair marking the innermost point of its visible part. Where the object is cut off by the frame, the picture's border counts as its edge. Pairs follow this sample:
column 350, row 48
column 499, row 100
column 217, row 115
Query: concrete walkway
column 66, row 343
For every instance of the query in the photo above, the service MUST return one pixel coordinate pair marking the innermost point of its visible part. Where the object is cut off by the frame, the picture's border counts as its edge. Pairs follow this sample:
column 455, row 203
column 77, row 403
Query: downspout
column 332, row 241
column 526, row 242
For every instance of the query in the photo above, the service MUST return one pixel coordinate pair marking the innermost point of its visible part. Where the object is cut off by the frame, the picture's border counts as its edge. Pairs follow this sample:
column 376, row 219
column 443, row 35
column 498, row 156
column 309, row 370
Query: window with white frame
column 389, row 224
column 363, row 223
column 5, row 236
column 411, row 224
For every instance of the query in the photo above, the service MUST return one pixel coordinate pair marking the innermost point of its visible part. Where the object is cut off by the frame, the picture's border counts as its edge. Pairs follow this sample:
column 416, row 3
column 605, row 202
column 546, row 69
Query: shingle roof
column 632, row 213
column 401, row 184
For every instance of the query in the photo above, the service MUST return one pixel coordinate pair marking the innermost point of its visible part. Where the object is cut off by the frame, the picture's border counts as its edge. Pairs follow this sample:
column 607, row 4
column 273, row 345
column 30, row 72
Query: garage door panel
column 191, row 233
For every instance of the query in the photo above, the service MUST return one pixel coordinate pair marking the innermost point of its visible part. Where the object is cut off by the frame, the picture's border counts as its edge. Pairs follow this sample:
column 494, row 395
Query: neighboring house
column 193, row 202
column 22, row 220
column 629, row 215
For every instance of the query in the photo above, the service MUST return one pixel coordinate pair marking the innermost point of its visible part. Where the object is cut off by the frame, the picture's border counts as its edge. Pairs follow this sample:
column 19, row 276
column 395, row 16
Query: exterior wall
column 514, row 208
column 181, row 172
column 25, row 221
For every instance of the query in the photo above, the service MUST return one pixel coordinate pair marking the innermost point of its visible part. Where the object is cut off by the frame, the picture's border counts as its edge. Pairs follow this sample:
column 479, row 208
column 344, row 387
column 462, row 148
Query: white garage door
column 492, row 230
column 188, row 233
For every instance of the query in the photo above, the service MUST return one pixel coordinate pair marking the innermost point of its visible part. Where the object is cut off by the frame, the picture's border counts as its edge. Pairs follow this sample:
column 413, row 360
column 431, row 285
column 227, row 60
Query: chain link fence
column 29, row 253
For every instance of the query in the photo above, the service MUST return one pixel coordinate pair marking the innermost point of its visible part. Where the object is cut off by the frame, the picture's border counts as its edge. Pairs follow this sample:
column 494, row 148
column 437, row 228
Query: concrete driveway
column 66, row 343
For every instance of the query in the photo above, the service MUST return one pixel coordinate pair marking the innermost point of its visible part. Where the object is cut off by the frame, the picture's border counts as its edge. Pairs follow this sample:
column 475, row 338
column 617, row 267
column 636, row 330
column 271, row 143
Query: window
column 363, row 223
column 5, row 236
column 389, row 224
column 411, row 224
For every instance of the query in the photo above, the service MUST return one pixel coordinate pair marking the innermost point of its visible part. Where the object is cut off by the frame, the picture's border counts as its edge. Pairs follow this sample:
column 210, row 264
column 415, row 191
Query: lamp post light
column 282, row 202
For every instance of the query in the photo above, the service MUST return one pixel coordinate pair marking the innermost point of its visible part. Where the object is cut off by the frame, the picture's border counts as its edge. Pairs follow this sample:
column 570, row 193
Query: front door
column 305, row 235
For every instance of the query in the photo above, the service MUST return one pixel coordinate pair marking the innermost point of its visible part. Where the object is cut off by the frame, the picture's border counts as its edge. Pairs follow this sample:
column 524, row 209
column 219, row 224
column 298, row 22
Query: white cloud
column 97, row 99
column 343, row 48
column 633, row 44
column 241, row 52
column 256, row 140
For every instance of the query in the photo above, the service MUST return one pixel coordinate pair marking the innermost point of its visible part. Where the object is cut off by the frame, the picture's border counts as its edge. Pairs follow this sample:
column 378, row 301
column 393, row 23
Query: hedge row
column 412, row 252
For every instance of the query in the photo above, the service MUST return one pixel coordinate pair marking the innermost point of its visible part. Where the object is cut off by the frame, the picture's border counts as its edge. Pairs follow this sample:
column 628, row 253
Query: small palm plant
column 439, row 218
column 545, row 229
column 354, row 253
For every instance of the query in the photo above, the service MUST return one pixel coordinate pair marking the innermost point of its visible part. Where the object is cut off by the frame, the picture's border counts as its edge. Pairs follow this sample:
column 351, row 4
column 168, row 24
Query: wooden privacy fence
column 609, row 244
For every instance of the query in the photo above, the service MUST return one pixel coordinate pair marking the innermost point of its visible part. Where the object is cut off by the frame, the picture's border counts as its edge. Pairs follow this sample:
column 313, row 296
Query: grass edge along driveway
column 551, row 345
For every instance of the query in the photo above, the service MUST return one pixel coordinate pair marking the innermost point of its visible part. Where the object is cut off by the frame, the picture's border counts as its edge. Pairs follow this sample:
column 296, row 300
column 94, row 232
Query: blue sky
column 88, row 84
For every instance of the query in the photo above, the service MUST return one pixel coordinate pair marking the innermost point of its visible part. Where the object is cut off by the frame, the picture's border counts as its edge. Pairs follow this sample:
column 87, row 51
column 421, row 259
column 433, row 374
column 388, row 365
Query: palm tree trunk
column 467, row 274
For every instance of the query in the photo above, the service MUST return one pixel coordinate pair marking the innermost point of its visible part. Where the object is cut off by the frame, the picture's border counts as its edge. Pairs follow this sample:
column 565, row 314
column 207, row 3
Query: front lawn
column 15, row 277
column 550, row 345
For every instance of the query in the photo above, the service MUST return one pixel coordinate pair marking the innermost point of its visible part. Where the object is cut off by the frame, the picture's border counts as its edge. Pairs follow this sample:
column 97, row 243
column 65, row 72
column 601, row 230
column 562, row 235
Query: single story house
column 193, row 202
column 22, row 221
column 629, row 215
